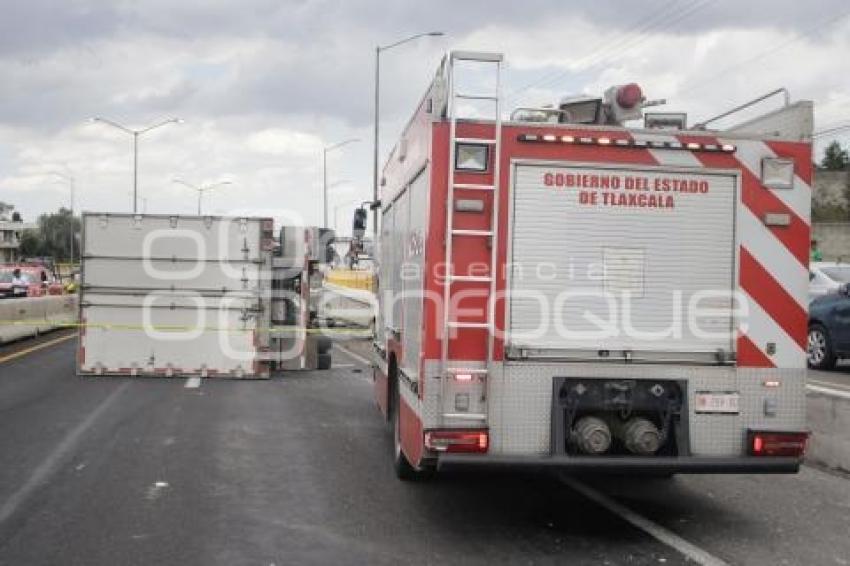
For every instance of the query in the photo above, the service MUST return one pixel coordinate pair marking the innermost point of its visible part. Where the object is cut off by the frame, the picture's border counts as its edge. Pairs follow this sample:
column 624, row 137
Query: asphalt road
column 296, row 470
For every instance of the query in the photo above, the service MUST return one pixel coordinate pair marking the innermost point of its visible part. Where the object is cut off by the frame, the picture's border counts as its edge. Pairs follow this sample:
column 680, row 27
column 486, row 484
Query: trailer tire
column 323, row 361
column 323, row 344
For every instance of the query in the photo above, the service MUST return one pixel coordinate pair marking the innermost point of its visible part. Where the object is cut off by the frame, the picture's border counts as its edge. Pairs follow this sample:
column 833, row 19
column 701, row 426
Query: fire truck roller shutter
column 607, row 258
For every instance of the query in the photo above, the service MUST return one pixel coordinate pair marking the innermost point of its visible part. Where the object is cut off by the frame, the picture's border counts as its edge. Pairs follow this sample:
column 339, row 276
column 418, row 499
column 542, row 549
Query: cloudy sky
column 263, row 85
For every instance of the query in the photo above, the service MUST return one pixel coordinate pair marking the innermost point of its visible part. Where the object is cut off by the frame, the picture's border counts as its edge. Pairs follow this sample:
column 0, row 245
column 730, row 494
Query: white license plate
column 726, row 403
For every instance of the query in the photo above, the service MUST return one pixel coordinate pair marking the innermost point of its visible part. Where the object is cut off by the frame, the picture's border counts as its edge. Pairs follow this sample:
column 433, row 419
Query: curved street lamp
column 378, row 50
column 201, row 189
column 325, row 152
column 136, row 134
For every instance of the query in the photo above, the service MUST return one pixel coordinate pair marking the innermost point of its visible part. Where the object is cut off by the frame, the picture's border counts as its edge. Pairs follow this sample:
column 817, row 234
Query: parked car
column 829, row 328
column 826, row 277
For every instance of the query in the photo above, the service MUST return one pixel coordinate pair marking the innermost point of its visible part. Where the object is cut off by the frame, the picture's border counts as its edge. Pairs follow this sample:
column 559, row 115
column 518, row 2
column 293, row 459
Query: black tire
column 819, row 352
column 323, row 344
column 323, row 361
column 403, row 469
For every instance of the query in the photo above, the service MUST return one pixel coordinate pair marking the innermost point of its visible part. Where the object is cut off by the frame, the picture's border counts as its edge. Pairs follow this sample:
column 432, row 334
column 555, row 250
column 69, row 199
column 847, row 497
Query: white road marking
column 365, row 376
column 193, row 382
column 343, row 365
column 828, row 391
column 357, row 357
column 829, row 384
column 49, row 465
column 655, row 530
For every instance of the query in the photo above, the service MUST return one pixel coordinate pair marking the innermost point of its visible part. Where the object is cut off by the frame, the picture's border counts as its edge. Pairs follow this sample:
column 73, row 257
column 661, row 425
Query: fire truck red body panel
column 770, row 261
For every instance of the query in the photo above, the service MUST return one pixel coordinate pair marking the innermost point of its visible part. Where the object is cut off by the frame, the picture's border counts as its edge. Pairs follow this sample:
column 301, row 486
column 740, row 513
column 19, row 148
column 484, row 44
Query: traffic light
column 358, row 229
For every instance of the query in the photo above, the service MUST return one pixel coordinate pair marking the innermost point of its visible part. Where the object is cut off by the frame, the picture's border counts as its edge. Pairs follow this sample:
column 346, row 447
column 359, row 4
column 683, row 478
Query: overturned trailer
column 195, row 295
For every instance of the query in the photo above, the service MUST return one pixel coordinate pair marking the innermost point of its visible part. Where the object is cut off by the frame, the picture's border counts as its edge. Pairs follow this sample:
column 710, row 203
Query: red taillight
column 628, row 96
column 768, row 443
column 457, row 440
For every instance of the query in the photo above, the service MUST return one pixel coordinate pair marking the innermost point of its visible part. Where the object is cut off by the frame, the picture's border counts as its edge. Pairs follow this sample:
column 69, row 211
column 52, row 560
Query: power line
column 831, row 130
column 825, row 23
column 602, row 45
column 630, row 40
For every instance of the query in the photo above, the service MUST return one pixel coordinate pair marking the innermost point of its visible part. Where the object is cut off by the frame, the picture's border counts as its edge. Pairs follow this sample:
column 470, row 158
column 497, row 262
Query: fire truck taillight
column 771, row 443
column 467, row 441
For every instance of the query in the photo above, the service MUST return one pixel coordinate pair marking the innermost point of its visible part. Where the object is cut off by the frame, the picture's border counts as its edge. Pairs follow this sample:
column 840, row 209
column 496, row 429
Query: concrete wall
column 829, row 421
column 30, row 316
column 833, row 240
column 829, row 188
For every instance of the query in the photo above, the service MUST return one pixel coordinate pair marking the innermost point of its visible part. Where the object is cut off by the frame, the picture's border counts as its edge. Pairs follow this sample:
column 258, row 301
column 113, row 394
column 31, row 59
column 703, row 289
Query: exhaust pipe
column 592, row 435
column 640, row 436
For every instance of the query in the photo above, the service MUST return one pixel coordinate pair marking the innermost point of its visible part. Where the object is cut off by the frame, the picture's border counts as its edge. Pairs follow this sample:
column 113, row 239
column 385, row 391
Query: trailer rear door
column 606, row 259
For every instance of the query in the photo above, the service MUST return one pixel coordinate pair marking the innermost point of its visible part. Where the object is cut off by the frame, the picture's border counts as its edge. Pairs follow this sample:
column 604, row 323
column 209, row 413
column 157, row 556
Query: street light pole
column 325, row 151
column 201, row 189
column 136, row 134
column 378, row 50
column 71, row 182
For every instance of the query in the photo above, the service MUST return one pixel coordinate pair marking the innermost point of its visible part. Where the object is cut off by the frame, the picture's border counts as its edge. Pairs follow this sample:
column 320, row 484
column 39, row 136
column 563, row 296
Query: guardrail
column 30, row 316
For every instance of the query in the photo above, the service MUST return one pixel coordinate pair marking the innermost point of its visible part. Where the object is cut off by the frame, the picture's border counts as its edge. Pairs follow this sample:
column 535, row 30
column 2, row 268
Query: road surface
column 296, row 470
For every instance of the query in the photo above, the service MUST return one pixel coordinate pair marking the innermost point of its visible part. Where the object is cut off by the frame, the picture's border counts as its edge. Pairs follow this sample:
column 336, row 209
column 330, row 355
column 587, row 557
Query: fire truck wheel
column 403, row 469
column 323, row 361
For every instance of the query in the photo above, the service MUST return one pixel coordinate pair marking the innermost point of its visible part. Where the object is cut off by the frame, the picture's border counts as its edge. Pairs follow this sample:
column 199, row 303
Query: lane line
column 193, row 382
column 365, row 376
column 653, row 529
column 828, row 391
column 51, row 463
column 357, row 357
column 31, row 349
column 829, row 384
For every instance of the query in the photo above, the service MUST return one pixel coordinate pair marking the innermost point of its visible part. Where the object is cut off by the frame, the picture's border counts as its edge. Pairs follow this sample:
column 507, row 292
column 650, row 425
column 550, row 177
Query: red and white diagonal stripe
column 772, row 260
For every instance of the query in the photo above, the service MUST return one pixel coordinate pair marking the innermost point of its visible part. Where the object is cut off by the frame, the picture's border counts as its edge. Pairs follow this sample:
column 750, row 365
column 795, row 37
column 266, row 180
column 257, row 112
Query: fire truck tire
column 403, row 468
column 323, row 361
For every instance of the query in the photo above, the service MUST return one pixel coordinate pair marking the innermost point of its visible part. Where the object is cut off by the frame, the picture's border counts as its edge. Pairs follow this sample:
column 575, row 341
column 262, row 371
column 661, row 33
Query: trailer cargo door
column 635, row 262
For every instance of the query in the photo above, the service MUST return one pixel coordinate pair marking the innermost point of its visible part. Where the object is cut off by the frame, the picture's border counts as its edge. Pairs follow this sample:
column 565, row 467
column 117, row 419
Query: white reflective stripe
column 773, row 256
column 761, row 329
column 673, row 157
column 798, row 199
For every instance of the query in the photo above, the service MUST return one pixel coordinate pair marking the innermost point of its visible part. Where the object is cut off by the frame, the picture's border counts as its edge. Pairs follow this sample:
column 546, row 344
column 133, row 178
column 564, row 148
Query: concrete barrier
column 30, row 316
column 829, row 421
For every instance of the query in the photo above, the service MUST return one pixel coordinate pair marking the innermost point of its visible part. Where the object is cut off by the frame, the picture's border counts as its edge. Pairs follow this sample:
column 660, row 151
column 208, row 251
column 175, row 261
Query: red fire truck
column 560, row 290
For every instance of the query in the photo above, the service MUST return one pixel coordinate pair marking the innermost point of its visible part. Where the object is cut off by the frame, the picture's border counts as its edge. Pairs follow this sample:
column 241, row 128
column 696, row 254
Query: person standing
column 814, row 254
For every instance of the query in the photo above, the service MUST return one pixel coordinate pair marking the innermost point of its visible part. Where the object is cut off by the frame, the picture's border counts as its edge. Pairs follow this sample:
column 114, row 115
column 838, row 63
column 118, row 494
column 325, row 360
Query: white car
column 826, row 277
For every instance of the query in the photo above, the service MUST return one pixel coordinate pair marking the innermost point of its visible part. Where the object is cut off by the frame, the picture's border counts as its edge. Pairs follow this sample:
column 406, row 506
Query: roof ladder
column 457, row 236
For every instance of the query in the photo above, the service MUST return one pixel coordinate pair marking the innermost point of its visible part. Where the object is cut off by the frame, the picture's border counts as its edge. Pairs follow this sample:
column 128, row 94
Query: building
column 10, row 239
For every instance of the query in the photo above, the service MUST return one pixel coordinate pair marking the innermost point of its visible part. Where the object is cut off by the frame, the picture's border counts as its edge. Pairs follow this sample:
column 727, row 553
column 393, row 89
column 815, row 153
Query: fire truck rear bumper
column 624, row 465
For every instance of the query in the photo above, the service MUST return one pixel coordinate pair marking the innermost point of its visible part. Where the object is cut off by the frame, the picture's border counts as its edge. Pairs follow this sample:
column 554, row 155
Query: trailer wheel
column 323, row 361
column 323, row 344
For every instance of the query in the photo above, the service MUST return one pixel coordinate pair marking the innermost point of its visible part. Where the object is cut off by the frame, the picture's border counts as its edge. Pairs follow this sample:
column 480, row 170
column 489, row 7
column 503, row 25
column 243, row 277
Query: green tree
column 53, row 236
column 835, row 158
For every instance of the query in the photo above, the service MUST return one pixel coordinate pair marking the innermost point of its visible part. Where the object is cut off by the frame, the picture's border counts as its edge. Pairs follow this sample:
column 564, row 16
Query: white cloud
column 264, row 85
